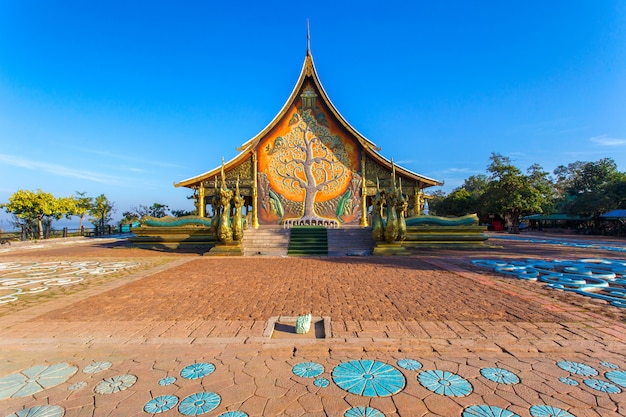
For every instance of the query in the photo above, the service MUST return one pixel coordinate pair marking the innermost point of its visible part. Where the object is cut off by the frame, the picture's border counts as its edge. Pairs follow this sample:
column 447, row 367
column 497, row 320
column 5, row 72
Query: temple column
column 363, row 222
column 255, row 217
column 201, row 205
column 417, row 211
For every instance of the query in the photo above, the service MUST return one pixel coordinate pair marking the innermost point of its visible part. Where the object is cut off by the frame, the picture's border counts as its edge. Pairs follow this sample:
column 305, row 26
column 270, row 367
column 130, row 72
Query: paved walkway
column 125, row 332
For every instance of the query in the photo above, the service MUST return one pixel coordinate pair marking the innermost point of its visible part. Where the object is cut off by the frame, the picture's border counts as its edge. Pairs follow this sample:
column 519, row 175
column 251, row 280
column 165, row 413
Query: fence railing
column 67, row 232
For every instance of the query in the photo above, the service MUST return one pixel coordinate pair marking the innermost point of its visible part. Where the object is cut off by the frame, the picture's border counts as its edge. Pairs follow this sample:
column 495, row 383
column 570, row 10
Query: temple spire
column 308, row 38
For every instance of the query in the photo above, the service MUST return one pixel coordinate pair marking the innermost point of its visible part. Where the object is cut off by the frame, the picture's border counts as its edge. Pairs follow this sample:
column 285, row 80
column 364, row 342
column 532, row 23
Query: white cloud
column 59, row 170
column 605, row 140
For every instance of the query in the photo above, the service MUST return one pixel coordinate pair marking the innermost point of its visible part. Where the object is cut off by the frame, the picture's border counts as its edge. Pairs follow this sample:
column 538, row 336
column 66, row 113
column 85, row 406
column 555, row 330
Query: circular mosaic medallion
column 363, row 412
column 35, row 379
column 197, row 370
column 199, row 403
column 409, row 364
column 548, row 411
column 308, row 369
column 94, row 367
column 445, row 383
column 617, row 377
column 609, row 365
column 233, row 414
column 77, row 386
column 484, row 410
column 603, row 386
column 499, row 375
column 368, row 378
column 321, row 382
column 115, row 384
column 160, row 404
column 577, row 368
column 168, row 380
column 568, row 381
column 40, row 411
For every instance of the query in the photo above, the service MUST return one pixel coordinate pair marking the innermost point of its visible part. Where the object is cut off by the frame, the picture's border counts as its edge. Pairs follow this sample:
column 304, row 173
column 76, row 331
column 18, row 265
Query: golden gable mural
column 308, row 167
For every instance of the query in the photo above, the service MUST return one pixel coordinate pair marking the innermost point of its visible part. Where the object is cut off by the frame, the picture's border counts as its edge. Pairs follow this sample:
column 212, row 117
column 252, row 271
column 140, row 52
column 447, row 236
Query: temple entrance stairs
column 350, row 241
column 266, row 240
column 274, row 241
column 308, row 240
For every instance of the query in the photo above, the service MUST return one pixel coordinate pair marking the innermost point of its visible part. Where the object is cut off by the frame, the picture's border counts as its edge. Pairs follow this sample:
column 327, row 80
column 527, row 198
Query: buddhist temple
column 308, row 166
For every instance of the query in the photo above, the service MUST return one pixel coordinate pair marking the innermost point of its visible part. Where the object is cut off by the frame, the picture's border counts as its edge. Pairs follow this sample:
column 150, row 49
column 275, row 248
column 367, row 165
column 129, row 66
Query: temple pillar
column 417, row 211
column 255, row 217
column 363, row 222
column 201, row 205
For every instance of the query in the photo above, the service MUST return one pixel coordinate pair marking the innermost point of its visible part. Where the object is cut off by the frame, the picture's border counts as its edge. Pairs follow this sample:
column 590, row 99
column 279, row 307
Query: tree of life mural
column 309, row 163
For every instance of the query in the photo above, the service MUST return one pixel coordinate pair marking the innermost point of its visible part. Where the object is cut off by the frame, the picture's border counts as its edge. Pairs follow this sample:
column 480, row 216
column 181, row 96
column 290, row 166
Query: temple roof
column 309, row 74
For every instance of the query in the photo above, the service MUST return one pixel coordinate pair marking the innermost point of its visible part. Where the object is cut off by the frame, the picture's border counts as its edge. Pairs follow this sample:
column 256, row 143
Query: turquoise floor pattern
column 603, row 279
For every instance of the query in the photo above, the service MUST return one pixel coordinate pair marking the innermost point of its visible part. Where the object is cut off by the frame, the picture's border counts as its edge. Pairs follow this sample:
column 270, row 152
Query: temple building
column 308, row 166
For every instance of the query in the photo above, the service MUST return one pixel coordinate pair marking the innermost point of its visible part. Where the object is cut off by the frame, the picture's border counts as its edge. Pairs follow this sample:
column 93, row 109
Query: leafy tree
column 510, row 193
column 40, row 208
column 83, row 204
column 589, row 188
column 182, row 213
column 465, row 199
column 101, row 211
column 155, row 210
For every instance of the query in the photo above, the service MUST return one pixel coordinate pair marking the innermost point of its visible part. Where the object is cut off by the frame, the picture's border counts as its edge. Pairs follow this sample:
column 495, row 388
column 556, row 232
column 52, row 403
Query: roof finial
column 308, row 38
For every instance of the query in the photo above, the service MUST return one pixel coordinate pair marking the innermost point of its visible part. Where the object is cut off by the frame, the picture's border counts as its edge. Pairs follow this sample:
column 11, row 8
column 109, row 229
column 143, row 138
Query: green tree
column 155, row 210
column 40, row 208
column 464, row 200
column 510, row 193
column 83, row 205
column 101, row 211
column 589, row 188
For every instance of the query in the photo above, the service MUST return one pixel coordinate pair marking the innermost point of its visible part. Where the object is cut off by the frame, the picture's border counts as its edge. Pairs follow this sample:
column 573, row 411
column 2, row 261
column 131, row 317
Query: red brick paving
column 435, row 308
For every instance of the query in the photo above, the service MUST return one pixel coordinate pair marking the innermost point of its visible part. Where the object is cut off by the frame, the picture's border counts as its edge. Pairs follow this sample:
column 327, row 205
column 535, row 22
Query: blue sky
column 126, row 98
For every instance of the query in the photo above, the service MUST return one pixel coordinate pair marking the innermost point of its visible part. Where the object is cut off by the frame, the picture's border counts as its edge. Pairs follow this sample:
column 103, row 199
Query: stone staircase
column 274, row 241
column 308, row 240
column 266, row 241
column 350, row 241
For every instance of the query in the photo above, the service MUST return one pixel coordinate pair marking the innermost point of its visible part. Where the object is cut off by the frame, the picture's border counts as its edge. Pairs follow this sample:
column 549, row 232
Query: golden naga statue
column 224, row 229
column 238, row 201
column 377, row 214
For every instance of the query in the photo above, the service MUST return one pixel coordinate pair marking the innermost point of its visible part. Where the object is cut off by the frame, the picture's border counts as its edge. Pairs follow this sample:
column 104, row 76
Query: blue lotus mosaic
column 604, row 279
column 499, row 375
column 577, row 368
column 363, row 412
column 602, row 386
column 617, row 377
column 445, row 383
column 409, row 364
column 199, row 403
column 368, row 378
column 321, row 382
column 35, row 379
column 40, row 411
column 197, row 370
column 568, row 381
column 115, row 384
column 168, row 380
column 548, row 411
column 484, row 410
column 308, row 369
column 160, row 404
